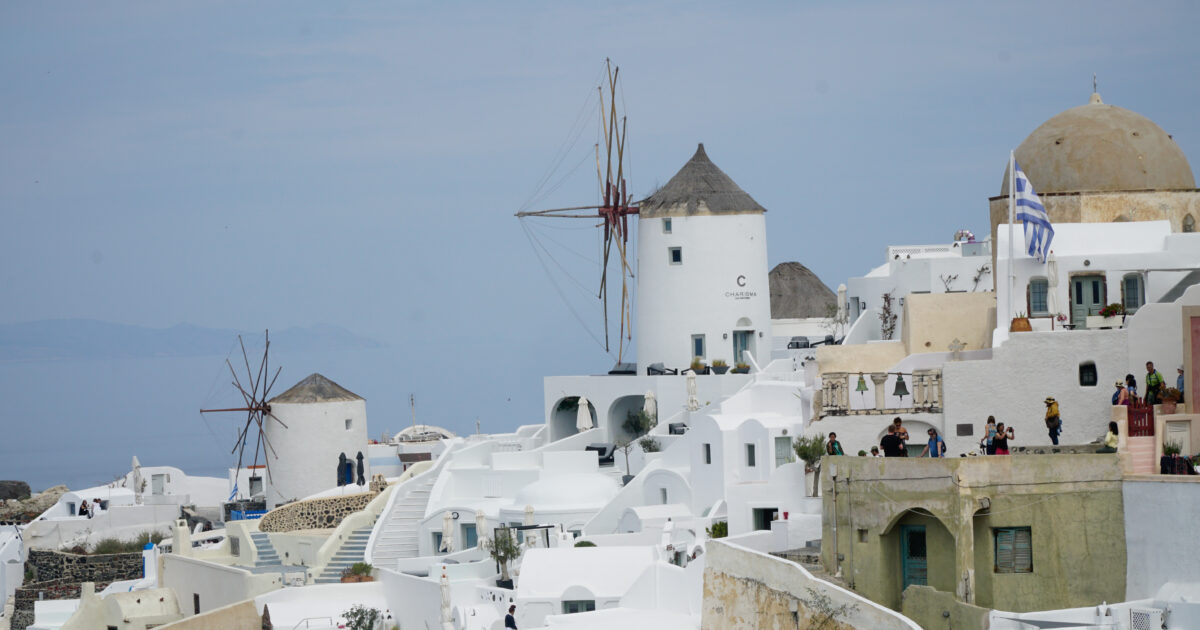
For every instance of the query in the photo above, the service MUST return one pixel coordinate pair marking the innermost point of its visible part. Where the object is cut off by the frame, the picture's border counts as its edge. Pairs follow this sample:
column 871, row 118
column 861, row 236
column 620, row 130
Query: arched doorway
column 566, row 414
column 919, row 551
column 622, row 415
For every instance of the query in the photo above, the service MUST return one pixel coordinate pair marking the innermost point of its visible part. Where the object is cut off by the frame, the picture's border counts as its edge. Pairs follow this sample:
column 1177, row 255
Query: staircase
column 351, row 551
column 1141, row 455
column 397, row 528
column 267, row 556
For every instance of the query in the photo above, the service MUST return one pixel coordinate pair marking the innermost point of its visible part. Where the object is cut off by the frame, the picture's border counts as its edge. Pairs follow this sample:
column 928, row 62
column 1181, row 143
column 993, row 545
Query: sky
column 279, row 164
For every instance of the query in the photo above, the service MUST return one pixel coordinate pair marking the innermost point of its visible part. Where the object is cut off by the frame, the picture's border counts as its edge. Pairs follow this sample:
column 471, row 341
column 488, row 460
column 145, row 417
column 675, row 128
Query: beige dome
column 1098, row 147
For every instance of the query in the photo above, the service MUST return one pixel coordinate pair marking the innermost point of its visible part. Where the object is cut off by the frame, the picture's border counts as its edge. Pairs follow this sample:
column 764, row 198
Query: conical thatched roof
column 316, row 389
column 798, row 292
column 699, row 188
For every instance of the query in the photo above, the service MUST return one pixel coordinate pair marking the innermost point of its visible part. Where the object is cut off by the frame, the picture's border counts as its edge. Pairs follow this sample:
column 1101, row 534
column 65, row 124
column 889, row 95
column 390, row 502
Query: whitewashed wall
column 306, row 452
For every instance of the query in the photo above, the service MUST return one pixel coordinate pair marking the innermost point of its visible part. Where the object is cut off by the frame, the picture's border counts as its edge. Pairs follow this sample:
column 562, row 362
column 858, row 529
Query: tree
column 835, row 320
column 810, row 449
column 362, row 618
column 887, row 317
column 503, row 548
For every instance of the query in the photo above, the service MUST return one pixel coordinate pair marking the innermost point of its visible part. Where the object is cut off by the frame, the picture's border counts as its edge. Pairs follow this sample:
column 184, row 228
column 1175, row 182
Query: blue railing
column 242, row 515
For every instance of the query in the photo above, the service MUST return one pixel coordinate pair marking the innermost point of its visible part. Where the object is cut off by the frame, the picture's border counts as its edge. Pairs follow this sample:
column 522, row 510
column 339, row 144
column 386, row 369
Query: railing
column 244, row 515
column 1141, row 420
column 307, row 622
column 925, row 395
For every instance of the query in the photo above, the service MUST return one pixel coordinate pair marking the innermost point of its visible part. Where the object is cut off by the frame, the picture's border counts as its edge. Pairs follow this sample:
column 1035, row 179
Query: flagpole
column 1012, row 217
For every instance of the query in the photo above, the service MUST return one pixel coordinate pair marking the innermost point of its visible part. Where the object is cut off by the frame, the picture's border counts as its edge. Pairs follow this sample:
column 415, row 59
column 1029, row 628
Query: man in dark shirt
column 891, row 444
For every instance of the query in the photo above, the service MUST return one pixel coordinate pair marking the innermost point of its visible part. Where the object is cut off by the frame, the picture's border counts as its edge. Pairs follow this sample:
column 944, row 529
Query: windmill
column 255, row 405
column 613, row 210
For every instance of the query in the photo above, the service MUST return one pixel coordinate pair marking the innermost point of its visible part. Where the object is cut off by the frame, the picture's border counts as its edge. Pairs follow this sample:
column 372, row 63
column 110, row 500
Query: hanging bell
column 862, row 384
column 901, row 388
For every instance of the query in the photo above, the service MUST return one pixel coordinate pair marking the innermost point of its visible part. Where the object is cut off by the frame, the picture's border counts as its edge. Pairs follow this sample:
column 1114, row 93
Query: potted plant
column 1170, row 398
column 357, row 572
column 698, row 366
column 741, row 368
column 1109, row 317
column 503, row 548
column 719, row 366
column 1020, row 323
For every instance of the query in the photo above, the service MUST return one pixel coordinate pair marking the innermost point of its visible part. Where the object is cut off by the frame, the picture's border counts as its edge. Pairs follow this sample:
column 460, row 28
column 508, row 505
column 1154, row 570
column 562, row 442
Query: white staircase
column 395, row 534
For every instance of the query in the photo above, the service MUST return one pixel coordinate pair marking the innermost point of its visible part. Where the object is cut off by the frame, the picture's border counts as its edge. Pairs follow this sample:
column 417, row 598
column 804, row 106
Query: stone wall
column 25, row 596
column 323, row 513
column 48, row 565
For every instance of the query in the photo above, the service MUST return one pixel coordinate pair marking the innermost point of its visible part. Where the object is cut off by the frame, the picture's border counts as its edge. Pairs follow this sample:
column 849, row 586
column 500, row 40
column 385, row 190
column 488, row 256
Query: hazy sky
column 254, row 165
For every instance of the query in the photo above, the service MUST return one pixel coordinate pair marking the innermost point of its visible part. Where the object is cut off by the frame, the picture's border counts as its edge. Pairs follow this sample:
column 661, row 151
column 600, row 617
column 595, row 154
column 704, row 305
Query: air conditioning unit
column 1145, row 619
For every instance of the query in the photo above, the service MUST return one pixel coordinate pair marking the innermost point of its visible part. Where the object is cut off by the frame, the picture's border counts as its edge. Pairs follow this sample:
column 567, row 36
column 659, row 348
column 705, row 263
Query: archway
column 621, row 410
column 565, row 416
column 918, row 550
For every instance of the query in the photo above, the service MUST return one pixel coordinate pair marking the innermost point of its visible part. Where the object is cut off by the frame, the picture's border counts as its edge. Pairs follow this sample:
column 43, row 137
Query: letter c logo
column 741, row 281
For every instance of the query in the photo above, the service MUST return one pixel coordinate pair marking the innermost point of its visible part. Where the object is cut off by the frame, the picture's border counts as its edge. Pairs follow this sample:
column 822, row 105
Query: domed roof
column 1099, row 147
column 573, row 491
column 315, row 388
column 699, row 188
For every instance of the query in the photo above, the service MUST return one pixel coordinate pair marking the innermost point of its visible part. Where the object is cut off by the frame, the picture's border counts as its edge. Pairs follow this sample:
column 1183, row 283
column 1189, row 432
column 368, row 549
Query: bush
column 116, row 545
column 636, row 424
column 650, row 445
column 585, row 543
column 719, row 529
column 362, row 618
column 358, row 568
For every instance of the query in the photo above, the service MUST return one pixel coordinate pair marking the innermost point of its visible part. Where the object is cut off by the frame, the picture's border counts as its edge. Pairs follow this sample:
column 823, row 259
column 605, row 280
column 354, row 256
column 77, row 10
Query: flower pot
column 508, row 584
column 1020, row 324
column 1168, row 407
column 1097, row 321
column 744, row 370
column 720, row 369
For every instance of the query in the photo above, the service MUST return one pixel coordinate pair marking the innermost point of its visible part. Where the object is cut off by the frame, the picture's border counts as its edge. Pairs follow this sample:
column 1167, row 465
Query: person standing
column 1154, row 384
column 1053, row 422
column 1179, row 383
column 1003, row 435
column 833, row 447
column 1131, row 388
column 989, row 436
column 1121, row 396
column 902, row 434
column 509, row 620
column 935, row 447
column 891, row 444
column 875, row 452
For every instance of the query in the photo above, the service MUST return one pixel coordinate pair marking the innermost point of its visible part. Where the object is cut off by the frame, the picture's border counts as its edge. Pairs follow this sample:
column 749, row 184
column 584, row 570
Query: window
column 256, row 485
column 783, row 451
column 750, row 455
column 662, row 494
column 667, row 226
column 1087, row 374
column 1189, row 223
column 349, row 423
column 470, row 537
column 578, row 606
column 698, row 346
column 196, row 602
column 862, row 535
column 1014, row 549
column 763, row 517
column 1133, row 292
column 708, row 453
column 437, row 542
column 1037, row 297
column 675, row 255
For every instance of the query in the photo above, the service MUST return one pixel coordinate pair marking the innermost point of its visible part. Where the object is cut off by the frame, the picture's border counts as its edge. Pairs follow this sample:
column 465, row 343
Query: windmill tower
column 702, row 270
column 319, row 421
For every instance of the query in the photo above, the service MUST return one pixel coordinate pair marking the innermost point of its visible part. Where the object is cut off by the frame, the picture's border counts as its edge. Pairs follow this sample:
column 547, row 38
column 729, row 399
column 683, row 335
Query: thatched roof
column 798, row 292
column 699, row 188
column 315, row 389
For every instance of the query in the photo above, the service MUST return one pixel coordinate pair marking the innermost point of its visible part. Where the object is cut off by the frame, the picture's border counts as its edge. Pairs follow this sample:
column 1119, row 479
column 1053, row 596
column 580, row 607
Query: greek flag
column 1031, row 212
column 233, row 495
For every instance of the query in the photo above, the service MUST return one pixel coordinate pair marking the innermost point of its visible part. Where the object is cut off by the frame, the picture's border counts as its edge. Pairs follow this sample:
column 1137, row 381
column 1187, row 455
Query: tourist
column 1003, row 435
column 989, row 435
column 1154, row 384
column 875, row 452
column 833, row 447
column 1121, row 396
column 1131, row 388
column 1110, row 439
column 96, row 507
column 891, row 444
column 901, row 433
column 509, row 620
column 935, row 447
column 83, row 509
column 1179, row 383
column 1053, row 422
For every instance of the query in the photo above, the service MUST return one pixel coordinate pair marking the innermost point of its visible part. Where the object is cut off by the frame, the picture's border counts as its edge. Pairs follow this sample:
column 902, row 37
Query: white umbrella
column 480, row 528
column 693, row 404
column 447, row 534
column 137, row 479
column 650, row 408
column 841, row 302
column 583, row 419
column 1051, row 284
column 447, row 617
column 530, row 539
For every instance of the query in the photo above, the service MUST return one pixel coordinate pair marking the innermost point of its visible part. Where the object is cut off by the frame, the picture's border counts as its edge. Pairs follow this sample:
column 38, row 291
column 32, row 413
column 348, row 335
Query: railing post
column 879, row 379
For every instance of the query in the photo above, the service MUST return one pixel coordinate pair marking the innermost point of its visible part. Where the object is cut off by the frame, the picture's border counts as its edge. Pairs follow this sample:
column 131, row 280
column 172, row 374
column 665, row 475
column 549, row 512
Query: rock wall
column 25, row 510
column 14, row 490
column 26, row 595
column 48, row 565
column 323, row 513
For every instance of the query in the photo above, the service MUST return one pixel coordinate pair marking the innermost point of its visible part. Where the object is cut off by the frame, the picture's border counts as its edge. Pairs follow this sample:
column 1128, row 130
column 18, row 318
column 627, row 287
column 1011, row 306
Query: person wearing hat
column 1121, row 396
column 1053, row 422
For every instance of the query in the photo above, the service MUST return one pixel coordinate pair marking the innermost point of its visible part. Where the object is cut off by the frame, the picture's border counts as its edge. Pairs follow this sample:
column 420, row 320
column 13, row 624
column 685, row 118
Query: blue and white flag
column 233, row 495
column 1031, row 212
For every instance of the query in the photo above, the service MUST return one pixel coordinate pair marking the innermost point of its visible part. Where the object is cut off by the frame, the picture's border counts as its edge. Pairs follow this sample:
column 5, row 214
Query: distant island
column 91, row 339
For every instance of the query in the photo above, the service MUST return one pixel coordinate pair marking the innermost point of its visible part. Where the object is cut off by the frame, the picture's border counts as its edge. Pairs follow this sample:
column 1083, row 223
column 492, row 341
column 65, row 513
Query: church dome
column 1098, row 147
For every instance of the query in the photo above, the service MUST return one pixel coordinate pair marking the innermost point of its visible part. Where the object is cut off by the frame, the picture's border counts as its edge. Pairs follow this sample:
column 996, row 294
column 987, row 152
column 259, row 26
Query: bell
column 901, row 388
column 862, row 384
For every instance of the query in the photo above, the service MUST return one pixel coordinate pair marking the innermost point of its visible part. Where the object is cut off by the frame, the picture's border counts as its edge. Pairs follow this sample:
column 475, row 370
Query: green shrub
column 116, row 545
column 585, row 543
column 362, row 618
column 650, row 445
column 719, row 529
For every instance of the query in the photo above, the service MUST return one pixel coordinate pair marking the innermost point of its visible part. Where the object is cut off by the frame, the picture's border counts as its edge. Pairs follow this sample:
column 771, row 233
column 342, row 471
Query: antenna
column 412, row 405
column 1093, row 83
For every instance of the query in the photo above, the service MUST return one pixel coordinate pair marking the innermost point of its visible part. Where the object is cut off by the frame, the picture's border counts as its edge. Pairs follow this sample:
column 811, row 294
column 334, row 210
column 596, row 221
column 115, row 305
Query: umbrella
column 693, row 404
column 1051, row 284
column 650, row 408
column 137, row 475
column 445, row 587
column 341, row 474
column 447, row 534
column 480, row 528
column 529, row 540
column 362, row 479
column 842, row 311
column 583, row 421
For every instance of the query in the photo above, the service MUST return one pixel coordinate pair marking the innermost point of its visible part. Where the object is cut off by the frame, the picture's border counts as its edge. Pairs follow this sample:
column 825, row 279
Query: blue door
column 912, row 555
